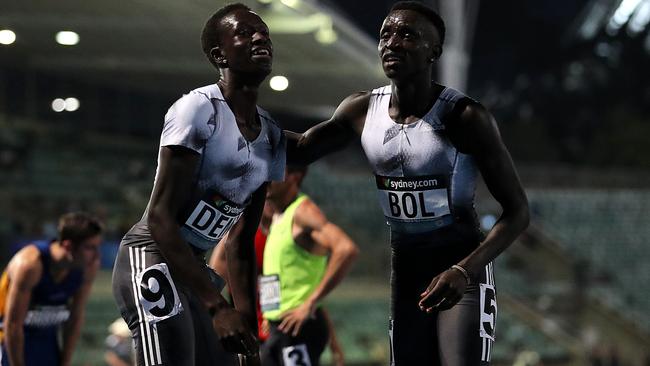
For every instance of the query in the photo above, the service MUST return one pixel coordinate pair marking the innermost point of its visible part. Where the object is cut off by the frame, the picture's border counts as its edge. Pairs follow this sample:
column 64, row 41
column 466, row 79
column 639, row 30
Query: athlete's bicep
column 331, row 135
column 492, row 157
column 24, row 275
column 245, row 229
column 310, row 219
column 173, row 184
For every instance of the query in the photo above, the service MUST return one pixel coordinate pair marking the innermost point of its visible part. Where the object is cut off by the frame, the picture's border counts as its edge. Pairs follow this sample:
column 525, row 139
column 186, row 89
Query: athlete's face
column 408, row 44
column 87, row 252
column 245, row 44
column 278, row 191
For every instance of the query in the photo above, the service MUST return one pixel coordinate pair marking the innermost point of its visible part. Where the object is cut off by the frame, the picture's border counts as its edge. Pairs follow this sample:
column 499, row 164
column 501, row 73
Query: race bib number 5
column 413, row 198
column 488, row 311
column 157, row 293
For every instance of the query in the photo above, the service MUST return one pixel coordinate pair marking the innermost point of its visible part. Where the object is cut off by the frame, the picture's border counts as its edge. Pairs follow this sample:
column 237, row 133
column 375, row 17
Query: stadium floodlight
column 67, row 38
column 7, row 37
column 640, row 19
column 279, row 83
column 72, row 104
column 291, row 3
column 58, row 105
column 326, row 35
column 622, row 14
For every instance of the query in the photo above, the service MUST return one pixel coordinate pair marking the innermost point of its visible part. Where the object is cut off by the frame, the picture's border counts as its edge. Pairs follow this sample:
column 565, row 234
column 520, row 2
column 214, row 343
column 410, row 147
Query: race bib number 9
column 212, row 222
column 413, row 199
column 157, row 293
column 269, row 292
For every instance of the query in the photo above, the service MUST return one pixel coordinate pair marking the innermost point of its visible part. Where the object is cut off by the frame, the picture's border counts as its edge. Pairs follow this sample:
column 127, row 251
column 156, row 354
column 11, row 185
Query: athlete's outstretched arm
column 172, row 188
column 24, row 271
column 72, row 328
column 331, row 135
column 342, row 251
column 478, row 135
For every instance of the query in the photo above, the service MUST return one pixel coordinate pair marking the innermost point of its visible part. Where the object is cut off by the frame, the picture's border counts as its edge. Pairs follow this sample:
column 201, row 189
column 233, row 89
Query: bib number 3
column 296, row 355
column 157, row 293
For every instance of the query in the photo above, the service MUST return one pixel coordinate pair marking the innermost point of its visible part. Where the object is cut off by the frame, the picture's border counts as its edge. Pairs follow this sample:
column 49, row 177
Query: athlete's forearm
column 15, row 343
column 242, row 276
column 340, row 261
column 71, row 332
column 240, row 256
column 182, row 263
column 509, row 226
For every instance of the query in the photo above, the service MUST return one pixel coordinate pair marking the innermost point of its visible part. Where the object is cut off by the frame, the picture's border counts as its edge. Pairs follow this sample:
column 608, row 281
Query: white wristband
column 463, row 271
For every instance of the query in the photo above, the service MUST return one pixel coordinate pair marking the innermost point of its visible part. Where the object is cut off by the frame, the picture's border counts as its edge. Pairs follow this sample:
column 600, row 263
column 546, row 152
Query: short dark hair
column 298, row 168
column 77, row 227
column 425, row 11
column 211, row 32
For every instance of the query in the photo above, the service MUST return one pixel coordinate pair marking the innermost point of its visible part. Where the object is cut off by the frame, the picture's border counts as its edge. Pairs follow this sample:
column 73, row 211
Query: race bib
column 47, row 316
column 212, row 221
column 157, row 293
column 413, row 199
column 297, row 355
column 269, row 292
column 488, row 311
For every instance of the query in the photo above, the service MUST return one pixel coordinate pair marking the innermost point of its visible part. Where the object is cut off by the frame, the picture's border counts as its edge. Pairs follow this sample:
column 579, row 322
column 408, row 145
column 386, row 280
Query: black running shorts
column 304, row 350
column 460, row 336
column 170, row 325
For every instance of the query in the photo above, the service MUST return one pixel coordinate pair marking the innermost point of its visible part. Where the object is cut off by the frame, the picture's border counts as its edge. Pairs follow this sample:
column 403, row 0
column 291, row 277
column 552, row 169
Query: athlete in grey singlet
column 427, row 144
column 217, row 152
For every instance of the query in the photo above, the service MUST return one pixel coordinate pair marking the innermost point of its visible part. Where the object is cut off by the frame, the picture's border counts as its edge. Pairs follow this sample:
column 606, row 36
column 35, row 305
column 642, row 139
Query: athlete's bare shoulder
column 26, row 265
column 473, row 128
column 352, row 110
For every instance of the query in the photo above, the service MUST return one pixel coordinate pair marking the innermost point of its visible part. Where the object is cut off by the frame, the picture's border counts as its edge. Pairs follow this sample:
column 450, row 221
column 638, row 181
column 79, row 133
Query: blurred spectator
column 119, row 346
column 527, row 358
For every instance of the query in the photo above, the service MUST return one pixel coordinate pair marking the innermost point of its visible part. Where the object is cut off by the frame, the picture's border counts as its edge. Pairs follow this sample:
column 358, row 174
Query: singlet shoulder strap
column 377, row 105
column 45, row 256
column 445, row 104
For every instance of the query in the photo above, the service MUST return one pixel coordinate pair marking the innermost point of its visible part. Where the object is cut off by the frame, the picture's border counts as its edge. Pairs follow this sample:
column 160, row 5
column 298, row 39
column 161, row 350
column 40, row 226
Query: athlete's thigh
column 271, row 349
column 466, row 331
column 208, row 349
column 413, row 339
column 44, row 342
column 156, row 311
column 313, row 336
column 413, row 336
column 303, row 350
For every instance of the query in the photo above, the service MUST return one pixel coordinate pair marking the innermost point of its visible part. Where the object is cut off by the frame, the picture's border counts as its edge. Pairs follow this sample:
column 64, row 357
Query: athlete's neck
column 411, row 98
column 287, row 199
column 241, row 97
column 60, row 261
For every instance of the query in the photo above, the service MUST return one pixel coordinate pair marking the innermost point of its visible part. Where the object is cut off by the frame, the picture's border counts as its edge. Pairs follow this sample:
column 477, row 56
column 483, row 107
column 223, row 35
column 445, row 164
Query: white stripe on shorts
column 154, row 360
column 134, row 273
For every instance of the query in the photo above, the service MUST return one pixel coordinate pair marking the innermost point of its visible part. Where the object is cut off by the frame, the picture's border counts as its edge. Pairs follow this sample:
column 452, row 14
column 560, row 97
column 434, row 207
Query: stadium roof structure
column 154, row 46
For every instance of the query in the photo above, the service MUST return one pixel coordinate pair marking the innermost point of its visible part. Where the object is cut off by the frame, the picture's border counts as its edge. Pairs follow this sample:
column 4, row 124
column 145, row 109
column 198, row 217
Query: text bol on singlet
column 413, row 198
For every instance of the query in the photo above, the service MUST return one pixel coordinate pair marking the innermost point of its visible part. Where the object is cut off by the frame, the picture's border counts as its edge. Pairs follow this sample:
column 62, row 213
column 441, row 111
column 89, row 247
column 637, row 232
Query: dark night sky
column 512, row 36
